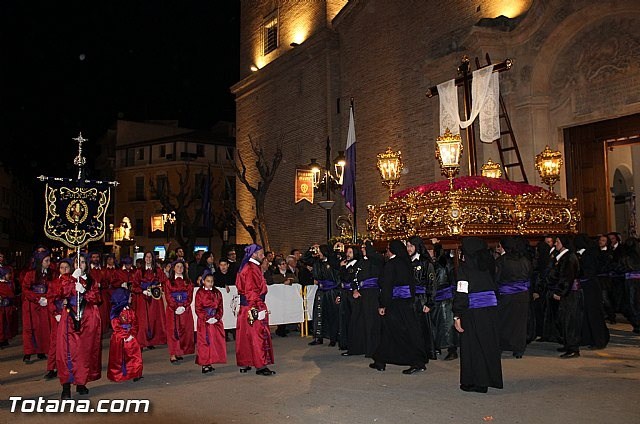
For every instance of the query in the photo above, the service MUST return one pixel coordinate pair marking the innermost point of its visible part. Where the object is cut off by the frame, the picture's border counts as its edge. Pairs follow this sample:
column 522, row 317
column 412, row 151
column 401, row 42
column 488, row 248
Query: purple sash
column 125, row 327
column 6, row 301
column 444, row 294
column 513, row 287
column 245, row 302
column 211, row 312
column 401, row 292
column 145, row 285
column 39, row 288
column 326, row 285
column 370, row 283
column 421, row 289
column 59, row 304
column 347, row 286
column 576, row 285
column 180, row 296
column 482, row 299
column 635, row 275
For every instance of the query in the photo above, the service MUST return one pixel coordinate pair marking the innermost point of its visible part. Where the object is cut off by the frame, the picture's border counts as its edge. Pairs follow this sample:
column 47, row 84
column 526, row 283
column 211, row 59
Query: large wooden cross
column 464, row 80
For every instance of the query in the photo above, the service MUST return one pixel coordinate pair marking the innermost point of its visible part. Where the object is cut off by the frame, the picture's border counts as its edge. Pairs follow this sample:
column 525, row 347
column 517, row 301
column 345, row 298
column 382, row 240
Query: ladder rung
column 505, row 132
column 511, row 165
column 508, row 149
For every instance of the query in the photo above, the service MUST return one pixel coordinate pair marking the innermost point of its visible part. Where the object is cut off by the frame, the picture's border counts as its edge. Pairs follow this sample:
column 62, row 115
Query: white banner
column 285, row 304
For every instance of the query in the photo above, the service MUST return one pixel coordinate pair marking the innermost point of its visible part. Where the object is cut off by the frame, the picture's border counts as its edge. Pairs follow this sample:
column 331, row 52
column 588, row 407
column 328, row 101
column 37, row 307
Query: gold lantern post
column 390, row 166
column 448, row 153
column 491, row 169
column 548, row 164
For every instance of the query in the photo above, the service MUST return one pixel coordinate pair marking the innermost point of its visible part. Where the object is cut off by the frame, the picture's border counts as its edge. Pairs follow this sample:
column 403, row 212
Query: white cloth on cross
column 485, row 93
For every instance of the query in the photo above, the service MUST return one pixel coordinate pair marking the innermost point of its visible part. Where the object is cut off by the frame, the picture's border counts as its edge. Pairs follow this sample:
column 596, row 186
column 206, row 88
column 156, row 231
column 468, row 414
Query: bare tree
column 266, row 171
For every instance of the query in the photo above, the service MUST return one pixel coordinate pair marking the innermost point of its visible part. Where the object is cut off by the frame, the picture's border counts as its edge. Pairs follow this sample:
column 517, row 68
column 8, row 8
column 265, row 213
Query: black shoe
column 27, row 359
column 82, row 390
column 377, row 366
column 438, row 352
column 451, row 356
column 137, row 379
column 346, row 354
column 243, row 370
column 66, row 391
column 265, row 371
column 179, row 358
column 151, row 347
column 332, row 343
column 205, row 369
column 414, row 370
column 561, row 349
column 473, row 388
column 42, row 356
column 569, row 355
column 51, row 374
column 518, row 355
column 174, row 361
column 315, row 342
column 4, row 344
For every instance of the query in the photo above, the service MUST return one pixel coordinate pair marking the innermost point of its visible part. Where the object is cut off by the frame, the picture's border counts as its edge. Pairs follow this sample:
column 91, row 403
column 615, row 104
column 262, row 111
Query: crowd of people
column 405, row 307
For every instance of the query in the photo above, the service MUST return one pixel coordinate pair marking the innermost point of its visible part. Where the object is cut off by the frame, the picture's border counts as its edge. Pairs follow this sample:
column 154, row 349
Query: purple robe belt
column 5, row 301
column 421, row 290
column 635, row 275
column 482, row 299
column 245, row 302
column 401, row 292
column 145, row 285
column 444, row 294
column 39, row 288
column 576, row 285
column 59, row 304
column 211, row 312
column 370, row 283
column 180, row 296
column 125, row 327
column 73, row 300
column 513, row 287
column 326, row 285
column 347, row 286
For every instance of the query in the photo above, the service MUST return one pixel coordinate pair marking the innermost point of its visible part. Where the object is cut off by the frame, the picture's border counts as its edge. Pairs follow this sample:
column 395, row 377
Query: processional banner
column 75, row 210
column 304, row 185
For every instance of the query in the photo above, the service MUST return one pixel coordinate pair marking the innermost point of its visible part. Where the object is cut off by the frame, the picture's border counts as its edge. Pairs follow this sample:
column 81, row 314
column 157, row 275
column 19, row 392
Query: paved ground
column 316, row 385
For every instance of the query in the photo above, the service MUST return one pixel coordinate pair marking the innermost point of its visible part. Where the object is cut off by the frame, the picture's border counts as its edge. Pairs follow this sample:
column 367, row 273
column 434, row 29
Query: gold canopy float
column 471, row 206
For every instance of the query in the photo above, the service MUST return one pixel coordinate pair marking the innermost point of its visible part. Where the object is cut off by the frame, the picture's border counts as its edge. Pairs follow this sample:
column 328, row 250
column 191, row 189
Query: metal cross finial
column 80, row 160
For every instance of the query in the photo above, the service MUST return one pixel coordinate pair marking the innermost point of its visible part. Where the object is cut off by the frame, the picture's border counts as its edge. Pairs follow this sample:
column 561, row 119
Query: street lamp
column 448, row 152
column 390, row 166
column 324, row 181
column 548, row 164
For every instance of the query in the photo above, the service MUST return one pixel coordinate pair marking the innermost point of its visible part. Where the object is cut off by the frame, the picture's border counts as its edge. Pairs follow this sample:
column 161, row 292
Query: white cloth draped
column 485, row 92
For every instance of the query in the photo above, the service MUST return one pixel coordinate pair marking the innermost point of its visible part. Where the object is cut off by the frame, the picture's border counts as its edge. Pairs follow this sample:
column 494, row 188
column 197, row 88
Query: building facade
column 16, row 218
column 574, row 86
column 158, row 159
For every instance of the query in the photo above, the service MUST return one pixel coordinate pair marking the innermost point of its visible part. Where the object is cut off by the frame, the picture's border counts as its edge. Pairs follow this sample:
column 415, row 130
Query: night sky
column 67, row 67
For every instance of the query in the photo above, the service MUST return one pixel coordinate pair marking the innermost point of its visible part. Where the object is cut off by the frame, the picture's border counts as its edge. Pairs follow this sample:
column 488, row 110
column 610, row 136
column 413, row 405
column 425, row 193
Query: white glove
column 77, row 273
column 262, row 315
column 180, row 310
column 80, row 288
column 128, row 339
column 212, row 321
column 43, row 301
column 124, row 285
column 146, row 293
column 58, row 317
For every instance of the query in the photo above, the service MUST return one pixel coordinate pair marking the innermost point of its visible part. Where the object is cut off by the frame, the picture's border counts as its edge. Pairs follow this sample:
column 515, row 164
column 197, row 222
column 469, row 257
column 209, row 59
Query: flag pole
column 354, row 237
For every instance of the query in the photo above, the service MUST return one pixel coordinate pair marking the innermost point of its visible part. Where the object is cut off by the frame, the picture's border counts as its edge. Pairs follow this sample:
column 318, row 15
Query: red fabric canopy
column 495, row 184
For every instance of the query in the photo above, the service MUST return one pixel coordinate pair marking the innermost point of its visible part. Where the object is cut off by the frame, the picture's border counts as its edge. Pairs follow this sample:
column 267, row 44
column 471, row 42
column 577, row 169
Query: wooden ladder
column 507, row 142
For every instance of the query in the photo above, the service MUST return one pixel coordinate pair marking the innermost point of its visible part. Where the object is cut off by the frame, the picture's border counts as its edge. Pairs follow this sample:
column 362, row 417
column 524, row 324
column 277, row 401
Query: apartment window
column 161, row 185
column 140, row 153
column 163, row 151
column 230, row 188
column 270, row 32
column 139, row 230
column 200, row 150
column 139, row 188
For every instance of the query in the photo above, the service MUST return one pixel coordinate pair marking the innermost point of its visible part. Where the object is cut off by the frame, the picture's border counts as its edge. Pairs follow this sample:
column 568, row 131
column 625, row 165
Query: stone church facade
column 575, row 63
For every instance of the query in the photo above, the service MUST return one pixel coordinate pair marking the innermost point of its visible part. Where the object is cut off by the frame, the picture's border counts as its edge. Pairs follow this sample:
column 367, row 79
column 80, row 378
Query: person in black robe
column 476, row 319
column 424, row 275
column 326, row 267
column 348, row 269
column 364, row 326
column 567, row 293
column 401, row 340
column 595, row 333
column 513, row 275
column 444, row 334
column 631, row 266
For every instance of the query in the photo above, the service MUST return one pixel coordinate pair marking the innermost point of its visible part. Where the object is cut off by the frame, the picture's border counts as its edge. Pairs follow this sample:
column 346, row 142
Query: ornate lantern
column 390, row 166
column 491, row 169
column 339, row 163
column 548, row 164
column 316, row 170
column 448, row 152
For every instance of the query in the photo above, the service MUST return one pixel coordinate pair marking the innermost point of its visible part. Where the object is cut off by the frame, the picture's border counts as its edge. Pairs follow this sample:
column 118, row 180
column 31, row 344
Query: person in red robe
column 56, row 306
column 212, row 346
column 109, row 273
column 179, row 294
column 36, row 328
column 98, row 275
column 150, row 311
column 79, row 350
column 125, row 355
column 7, row 304
column 253, row 337
column 123, row 276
